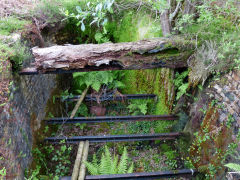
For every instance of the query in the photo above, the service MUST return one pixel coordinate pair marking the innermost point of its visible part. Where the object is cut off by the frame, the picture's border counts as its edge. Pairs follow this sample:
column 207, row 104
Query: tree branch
column 176, row 11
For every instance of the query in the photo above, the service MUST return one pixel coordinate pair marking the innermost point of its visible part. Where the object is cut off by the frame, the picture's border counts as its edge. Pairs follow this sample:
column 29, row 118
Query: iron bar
column 143, row 175
column 100, row 119
column 116, row 138
column 113, row 97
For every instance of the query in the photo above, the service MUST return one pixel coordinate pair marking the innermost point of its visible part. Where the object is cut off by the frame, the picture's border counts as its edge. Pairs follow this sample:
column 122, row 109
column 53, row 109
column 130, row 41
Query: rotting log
column 146, row 54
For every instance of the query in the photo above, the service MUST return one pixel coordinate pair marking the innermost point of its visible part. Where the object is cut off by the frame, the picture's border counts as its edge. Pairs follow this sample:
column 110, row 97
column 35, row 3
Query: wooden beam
column 82, row 170
column 77, row 161
column 79, row 103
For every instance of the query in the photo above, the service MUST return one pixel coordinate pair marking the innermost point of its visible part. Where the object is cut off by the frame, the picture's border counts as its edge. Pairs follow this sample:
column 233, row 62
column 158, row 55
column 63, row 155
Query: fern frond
column 95, row 161
column 233, row 166
column 108, row 160
column 93, row 169
column 109, row 165
column 122, row 167
column 103, row 168
column 130, row 170
column 114, row 168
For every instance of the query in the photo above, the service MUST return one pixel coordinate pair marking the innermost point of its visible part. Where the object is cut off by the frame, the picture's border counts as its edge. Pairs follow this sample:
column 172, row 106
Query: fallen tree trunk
column 146, row 54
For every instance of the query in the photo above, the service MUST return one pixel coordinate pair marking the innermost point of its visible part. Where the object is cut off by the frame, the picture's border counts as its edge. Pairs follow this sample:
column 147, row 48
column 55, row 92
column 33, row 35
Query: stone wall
column 22, row 116
column 222, row 95
column 227, row 93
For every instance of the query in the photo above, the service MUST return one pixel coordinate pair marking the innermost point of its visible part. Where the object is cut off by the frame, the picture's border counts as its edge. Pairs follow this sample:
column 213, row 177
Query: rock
column 98, row 111
column 236, row 76
column 12, row 38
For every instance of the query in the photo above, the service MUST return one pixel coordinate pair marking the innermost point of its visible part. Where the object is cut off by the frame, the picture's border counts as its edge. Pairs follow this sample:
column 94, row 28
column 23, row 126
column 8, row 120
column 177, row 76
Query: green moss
column 151, row 82
column 137, row 26
column 9, row 25
column 147, row 81
column 163, row 56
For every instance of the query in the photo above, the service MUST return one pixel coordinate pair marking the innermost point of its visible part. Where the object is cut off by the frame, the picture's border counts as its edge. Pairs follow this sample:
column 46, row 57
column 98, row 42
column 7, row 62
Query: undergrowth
column 16, row 52
column 50, row 162
column 11, row 24
column 109, row 164
column 215, row 30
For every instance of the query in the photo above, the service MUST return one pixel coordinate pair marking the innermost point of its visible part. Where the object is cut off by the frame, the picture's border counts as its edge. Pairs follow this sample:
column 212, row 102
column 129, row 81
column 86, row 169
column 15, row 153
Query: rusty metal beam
column 143, row 175
column 34, row 71
column 101, row 119
column 116, row 138
column 112, row 97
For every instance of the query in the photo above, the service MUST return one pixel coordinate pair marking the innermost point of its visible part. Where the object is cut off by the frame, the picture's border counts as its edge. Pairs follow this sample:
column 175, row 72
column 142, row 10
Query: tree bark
column 190, row 7
column 147, row 54
column 165, row 23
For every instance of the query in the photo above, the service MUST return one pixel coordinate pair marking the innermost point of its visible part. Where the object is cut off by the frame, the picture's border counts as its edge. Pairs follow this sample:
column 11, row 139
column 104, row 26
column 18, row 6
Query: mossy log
column 146, row 54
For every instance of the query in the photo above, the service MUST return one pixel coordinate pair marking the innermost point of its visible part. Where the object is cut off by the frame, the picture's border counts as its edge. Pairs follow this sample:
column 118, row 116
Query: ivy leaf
column 83, row 27
column 78, row 8
column 105, row 21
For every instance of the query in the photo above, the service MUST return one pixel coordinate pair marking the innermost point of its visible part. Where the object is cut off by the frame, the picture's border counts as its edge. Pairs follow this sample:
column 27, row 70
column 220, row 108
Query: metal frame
column 115, row 138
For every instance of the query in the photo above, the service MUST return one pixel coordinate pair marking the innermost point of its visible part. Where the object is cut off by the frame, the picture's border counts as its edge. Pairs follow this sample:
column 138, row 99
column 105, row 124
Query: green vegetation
column 52, row 11
column 3, row 171
column 216, row 146
column 11, row 24
column 58, row 157
column 96, row 79
column 109, row 165
column 180, row 83
column 216, row 30
column 16, row 53
column 138, row 107
column 151, row 82
column 95, row 12
column 233, row 166
column 128, row 30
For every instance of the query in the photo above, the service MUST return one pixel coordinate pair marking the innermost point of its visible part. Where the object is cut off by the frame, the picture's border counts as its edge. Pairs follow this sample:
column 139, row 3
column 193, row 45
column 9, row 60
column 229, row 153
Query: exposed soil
column 21, row 7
